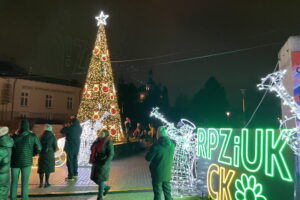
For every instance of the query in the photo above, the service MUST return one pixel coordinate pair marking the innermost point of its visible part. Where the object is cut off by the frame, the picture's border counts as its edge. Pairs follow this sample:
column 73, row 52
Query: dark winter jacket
column 101, row 168
column 72, row 134
column 160, row 157
column 6, row 143
column 26, row 146
column 46, row 163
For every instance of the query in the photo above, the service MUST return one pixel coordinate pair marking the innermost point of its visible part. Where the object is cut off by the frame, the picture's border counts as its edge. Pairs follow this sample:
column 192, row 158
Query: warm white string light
column 184, row 174
column 274, row 82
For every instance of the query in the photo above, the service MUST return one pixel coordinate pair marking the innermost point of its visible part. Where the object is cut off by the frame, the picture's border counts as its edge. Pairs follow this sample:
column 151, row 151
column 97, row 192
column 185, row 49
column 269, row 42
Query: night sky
column 243, row 37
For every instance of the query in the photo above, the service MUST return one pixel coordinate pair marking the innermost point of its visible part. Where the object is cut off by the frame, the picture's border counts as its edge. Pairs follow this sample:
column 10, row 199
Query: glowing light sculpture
column 184, row 174
column 274, row 82
column 88, row 136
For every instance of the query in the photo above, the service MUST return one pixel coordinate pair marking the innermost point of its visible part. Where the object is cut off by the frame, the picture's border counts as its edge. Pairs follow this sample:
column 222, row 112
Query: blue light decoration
column 184, row 171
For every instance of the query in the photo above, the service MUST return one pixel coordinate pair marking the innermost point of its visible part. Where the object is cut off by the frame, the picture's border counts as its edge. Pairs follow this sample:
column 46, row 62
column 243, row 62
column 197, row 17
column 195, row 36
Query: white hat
column 3, row 130
column 48, row 127
column 161, row 132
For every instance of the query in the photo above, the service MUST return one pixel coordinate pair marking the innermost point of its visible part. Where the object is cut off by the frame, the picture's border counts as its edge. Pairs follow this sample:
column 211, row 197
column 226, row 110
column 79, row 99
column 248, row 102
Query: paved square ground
column 127, row 173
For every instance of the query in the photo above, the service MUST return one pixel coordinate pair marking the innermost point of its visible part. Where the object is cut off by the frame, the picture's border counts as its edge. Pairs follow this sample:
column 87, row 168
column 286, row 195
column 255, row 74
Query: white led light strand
column 88, row 136
column 184, row 174
column 101, row 19
column 274, row 82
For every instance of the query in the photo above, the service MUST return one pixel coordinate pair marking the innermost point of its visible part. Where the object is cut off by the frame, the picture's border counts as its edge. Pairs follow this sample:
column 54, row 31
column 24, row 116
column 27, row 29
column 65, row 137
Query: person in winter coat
column 128, row 128
column 102, row 153
column 72, row 134
column 26, row 146
column 138, row 131
column 6, row 143
column 160, row 157
column 46, row 163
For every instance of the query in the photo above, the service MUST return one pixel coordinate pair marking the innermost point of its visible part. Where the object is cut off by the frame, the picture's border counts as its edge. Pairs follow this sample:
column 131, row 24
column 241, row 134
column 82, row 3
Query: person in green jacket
column 160, row 157
column 102, row 153
column 26, row 146
column 6, row 143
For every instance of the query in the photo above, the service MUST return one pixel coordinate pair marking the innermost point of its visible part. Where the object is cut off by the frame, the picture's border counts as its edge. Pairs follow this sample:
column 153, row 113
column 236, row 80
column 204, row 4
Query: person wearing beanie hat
column 46, row 162
column 48, row 127
column 6, row 143
column 160, row 157
column 26, row 146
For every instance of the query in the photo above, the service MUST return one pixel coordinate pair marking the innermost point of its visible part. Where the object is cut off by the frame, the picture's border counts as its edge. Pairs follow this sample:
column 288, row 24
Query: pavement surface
column 126, row 174
column 123, row 196
column 129, row 177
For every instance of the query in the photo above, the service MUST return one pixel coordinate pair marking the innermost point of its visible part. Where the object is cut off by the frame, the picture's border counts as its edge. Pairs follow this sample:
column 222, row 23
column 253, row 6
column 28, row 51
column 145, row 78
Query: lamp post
column 243, row 91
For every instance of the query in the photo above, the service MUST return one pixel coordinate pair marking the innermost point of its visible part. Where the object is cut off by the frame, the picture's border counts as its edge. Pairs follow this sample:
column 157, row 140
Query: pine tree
column 99, row 94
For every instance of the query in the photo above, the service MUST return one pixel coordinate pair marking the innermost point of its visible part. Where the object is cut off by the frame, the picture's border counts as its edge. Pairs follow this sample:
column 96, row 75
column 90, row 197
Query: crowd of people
column 139, row 132
column 18, row 149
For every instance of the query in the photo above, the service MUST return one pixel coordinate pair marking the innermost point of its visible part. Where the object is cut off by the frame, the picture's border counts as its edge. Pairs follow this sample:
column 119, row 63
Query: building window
column 48, row 103
column 23, row 116
column 24, row 98
column 69, row 102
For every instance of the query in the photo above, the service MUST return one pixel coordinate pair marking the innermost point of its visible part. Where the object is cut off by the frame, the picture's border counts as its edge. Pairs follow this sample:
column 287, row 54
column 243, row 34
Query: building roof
column 31, row 77
column 8, row 69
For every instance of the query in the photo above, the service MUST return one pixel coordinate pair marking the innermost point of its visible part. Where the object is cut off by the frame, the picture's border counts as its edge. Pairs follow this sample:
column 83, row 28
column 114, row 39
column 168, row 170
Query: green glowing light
column 264, row 153
column 274, row 156
column 223, row 158
column 213, row 141
column 247, row 187
column 255, row 164
column 236, row 152
column 201, row 150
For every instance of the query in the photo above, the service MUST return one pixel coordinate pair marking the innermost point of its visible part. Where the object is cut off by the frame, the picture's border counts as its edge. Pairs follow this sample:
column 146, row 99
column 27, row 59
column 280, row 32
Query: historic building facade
column 37, row 99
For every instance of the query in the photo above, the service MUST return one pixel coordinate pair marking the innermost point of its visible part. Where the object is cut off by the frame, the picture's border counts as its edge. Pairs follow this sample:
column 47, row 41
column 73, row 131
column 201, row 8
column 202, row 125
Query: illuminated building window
column 24, row 98
column 48, row 102
column 69, row 102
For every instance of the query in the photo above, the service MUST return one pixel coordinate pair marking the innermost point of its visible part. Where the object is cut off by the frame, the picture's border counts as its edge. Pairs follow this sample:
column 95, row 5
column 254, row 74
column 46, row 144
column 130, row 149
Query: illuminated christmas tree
column 99, row 94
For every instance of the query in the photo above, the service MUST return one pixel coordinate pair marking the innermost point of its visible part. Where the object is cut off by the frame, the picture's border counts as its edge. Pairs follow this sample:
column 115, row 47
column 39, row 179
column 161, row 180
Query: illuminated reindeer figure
column 273, row 82
column 184, row 175
column 89, row 134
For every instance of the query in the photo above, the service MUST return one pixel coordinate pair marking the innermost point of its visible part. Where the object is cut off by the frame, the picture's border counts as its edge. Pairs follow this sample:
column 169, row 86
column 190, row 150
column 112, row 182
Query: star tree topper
column 101, row 18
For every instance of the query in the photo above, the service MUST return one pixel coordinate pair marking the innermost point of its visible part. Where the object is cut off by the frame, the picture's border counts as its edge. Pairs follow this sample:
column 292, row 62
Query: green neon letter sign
column 201, row 135
column 236, row 151
column 223, row 158
column 255, row 163
column 274, row 157
column 212, row 141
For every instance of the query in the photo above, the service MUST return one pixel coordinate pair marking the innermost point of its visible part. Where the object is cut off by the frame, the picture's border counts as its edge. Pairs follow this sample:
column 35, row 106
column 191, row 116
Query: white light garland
column 101, row 19
column 274, row 82
column 88, row 136
column 184, row 174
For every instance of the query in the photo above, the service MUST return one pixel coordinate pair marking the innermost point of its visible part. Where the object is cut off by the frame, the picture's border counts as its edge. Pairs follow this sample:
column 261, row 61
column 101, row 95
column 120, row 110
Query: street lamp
column 142, row 97
column 228, row 115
